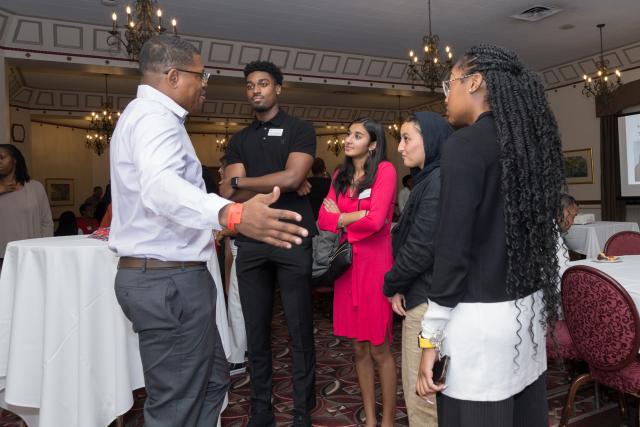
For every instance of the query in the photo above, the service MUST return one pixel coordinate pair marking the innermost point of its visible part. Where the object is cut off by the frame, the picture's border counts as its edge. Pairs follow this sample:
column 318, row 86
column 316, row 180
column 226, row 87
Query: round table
column 68, row 355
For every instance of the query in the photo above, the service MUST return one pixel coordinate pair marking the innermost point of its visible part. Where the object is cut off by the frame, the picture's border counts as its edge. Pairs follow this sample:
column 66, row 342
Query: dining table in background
column 589, row 239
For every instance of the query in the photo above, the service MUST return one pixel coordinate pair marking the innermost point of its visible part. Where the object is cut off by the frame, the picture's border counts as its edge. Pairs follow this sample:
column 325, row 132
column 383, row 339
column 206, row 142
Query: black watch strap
column 234, row 182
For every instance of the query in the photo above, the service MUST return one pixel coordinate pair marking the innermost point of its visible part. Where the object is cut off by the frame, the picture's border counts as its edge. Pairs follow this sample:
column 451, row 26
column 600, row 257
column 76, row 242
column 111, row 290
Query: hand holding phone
column 440, row 369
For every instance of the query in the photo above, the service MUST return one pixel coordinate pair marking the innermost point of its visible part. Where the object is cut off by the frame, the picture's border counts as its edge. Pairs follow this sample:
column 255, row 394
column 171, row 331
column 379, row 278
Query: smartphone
column 440, row 369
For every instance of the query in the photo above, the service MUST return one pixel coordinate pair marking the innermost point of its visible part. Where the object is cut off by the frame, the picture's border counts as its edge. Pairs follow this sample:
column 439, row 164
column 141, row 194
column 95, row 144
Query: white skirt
column 481, row 340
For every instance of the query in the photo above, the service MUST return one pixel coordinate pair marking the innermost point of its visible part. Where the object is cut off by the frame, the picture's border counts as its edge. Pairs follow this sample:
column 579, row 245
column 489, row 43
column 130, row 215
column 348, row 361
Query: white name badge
column 364, row 194
column 275, row 132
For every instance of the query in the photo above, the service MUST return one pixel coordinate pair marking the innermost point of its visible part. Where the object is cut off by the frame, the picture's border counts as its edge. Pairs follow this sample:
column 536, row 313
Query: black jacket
column 413, row 236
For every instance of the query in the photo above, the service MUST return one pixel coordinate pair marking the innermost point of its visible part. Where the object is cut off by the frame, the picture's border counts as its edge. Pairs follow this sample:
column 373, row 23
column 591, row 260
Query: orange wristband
column 234, row 216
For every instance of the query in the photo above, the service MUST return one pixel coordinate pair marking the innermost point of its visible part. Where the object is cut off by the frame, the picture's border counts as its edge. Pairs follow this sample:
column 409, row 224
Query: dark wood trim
column 590, row 202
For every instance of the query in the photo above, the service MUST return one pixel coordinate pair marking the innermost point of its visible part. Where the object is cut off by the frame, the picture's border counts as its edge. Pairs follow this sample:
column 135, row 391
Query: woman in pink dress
column 361, row 202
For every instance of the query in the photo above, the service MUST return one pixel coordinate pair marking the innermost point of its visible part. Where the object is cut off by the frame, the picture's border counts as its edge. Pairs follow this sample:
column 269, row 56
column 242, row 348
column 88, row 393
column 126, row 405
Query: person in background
column 360, row 203
column 94, row 198
column 24, row 206
column 407, row 284
column 275, row 149
column 87, row 223
column 235, row 318
column 403, row 195
column 320, row 183
column 569, row 209
column 162, row 231
column 494, row 286
column 103, row 204
column 67, row 225
column 106, row 219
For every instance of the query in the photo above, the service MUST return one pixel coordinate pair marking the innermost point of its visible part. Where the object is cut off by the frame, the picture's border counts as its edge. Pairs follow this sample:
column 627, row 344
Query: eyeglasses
column 446, row 84
column 204, row 76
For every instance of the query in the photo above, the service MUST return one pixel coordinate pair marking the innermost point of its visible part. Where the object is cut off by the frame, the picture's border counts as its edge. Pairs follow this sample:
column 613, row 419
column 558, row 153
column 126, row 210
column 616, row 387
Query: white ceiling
column 381, row 27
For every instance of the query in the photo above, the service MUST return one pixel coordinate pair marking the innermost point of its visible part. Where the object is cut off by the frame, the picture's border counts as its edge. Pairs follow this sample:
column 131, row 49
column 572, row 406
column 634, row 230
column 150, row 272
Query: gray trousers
column 186, row 373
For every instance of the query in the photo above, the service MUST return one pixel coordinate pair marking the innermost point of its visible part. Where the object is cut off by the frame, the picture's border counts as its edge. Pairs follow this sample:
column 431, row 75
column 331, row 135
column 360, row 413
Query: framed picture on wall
column 578, row 166
column 17, row 132
column 60, row 191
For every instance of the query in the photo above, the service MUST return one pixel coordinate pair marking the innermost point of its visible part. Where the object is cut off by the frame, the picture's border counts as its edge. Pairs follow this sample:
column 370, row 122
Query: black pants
column 259, row 267
column 528, row 408
column 186, row 373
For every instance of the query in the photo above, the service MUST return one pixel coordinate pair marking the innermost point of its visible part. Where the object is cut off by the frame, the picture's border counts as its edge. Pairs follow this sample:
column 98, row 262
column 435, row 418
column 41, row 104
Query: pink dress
column 360, row 310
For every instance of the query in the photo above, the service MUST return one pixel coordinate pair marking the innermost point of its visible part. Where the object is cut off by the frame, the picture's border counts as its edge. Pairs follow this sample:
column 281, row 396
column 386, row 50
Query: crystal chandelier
column 430, row 70
column 102, row 124
column 223, row 143
column 146, row 24
column 335, row 145
column 394, row 128
column 602, row 85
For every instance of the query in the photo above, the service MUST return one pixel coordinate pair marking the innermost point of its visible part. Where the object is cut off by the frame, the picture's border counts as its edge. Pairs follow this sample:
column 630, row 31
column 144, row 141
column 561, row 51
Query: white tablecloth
column 589, row 239
column 67, row 353
column 627, row 273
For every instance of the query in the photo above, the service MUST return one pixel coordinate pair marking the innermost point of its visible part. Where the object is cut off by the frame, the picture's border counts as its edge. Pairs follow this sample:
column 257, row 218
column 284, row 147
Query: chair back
column 623, row 243
column 602, row 318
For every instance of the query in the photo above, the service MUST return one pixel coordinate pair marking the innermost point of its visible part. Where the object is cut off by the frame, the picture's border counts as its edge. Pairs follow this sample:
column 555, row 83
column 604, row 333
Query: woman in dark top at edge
column 407, row 283
column 495, row 273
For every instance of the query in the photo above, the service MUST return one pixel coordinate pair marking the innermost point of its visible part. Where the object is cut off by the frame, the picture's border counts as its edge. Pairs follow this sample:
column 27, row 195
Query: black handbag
column 339, row 261
column 326, row 269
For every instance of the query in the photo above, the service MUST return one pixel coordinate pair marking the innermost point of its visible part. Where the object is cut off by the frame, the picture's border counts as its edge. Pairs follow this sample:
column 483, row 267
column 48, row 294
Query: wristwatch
column 234, row 182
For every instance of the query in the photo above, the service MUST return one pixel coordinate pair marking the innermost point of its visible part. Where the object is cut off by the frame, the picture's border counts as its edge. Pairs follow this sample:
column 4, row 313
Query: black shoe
column 302, row 421
column 237, row 368
column 262, row 419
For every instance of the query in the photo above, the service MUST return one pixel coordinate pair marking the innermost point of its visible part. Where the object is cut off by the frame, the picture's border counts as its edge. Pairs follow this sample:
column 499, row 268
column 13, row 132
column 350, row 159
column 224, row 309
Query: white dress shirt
column 160, row 206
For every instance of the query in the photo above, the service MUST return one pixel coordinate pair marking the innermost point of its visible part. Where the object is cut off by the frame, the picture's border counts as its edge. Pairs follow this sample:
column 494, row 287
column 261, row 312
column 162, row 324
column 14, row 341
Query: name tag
column 364, row 194
column 275, row 132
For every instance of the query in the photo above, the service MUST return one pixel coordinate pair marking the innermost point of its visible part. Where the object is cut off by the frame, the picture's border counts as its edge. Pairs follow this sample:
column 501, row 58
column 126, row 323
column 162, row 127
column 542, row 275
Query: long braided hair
column 532, row 172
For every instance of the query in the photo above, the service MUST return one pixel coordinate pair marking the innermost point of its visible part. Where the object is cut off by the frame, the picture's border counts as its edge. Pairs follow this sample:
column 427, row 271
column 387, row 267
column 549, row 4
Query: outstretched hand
column 263, row 223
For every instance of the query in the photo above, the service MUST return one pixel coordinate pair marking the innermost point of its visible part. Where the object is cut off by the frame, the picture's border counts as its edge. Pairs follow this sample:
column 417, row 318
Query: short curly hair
column 267, row 67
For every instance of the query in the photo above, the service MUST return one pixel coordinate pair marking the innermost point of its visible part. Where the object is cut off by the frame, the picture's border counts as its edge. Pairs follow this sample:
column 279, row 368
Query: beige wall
column 59, row 152
column 579, row 129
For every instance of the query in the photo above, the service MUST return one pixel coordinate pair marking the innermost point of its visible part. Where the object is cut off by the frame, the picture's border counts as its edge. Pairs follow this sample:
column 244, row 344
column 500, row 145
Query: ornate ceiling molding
column 570, row 73
column 73, row 42
column 80, row 104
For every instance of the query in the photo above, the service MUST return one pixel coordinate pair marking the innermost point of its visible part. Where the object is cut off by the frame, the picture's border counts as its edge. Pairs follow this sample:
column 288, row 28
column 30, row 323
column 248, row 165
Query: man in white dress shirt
column 162, row 230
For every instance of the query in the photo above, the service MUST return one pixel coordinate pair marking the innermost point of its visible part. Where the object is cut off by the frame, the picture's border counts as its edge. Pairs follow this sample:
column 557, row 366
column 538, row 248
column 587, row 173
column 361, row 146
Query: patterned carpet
column 338, row 394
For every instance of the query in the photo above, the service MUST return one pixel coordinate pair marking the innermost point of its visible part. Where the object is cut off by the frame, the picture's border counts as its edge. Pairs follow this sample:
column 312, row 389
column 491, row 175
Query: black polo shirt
column 264, row 147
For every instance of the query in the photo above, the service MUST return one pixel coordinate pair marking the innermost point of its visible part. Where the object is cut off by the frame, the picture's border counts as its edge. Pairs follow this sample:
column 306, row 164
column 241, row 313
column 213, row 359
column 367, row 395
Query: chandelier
column 394, row 128
column 335, row 145
column 146, row 24
column 102, row 124
column 602, row 85
column 223, row 143
column 430, row 70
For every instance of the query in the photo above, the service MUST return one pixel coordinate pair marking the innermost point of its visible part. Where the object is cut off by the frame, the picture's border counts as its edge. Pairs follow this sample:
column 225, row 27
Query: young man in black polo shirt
column 275, row 150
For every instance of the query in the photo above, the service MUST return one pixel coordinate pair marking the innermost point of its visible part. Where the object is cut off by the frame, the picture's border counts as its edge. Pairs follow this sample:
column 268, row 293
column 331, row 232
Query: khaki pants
column 420, row 412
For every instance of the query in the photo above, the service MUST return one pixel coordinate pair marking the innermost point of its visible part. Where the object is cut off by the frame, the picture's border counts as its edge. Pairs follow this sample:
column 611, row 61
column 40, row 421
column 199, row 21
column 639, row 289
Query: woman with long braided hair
column 495, row 272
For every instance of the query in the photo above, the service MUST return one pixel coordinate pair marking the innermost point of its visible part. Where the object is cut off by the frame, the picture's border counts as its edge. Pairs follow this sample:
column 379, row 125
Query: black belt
column 155, row 264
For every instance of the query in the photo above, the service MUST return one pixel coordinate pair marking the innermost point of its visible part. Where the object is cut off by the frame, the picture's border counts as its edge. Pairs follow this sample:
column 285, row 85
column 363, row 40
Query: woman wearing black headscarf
column 407, row 283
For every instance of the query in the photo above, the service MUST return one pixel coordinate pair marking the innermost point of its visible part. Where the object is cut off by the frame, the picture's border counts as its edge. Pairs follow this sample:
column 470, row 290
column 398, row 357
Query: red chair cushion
column 601, row 317
column 563, row 346
column 626, row 380
column 623, row 243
